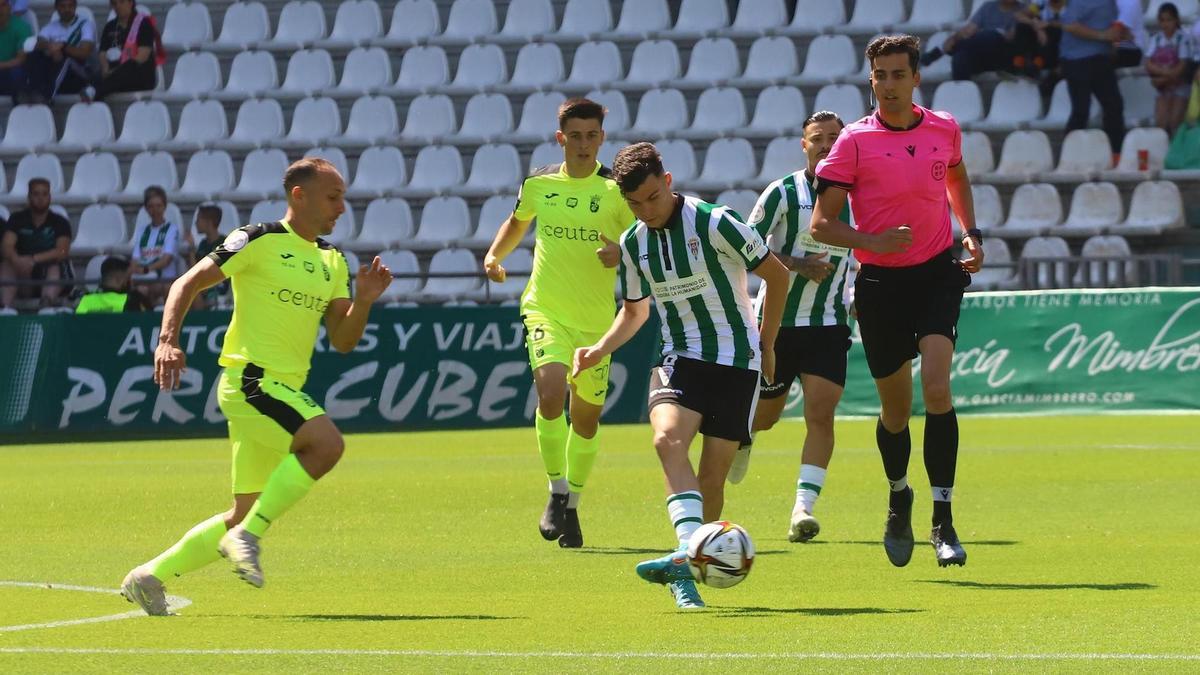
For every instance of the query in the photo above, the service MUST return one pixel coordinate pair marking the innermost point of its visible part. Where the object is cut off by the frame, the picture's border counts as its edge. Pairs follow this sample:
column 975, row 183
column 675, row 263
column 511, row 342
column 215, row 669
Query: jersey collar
column 562, row 170
column 916, row 123
column 677, row 215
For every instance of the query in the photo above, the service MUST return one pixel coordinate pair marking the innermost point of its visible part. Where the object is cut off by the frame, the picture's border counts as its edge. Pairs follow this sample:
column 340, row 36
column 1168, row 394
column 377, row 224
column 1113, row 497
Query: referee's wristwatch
column 974, row 233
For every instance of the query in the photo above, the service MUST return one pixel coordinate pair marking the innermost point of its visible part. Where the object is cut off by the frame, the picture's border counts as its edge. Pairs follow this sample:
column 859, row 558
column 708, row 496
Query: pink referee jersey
column 898, row 177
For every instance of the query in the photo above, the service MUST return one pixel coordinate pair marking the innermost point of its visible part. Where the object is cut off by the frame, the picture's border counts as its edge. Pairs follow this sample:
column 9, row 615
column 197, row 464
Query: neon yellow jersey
column 282, row 285
column 569, row 284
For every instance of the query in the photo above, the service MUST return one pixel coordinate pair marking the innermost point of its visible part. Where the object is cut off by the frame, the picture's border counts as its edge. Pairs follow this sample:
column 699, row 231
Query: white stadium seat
column 151, row 168
column 757, row 16
column 1153, row 141
column 644, row 17
column 661, row 111
column 471, row 19
column 101, row 229
column 245, row 24
column 97, row 174
column 36, row 165
column 366, row 68
column 829, row 58
column 844, row 99
column 201, row 123
column 452, row 260
column 262, row 173
column 1014, row 104
column 88, row 125
column 309, row 71
column 209, row 173
column 495, row 167
column 413, row 20
column 873, row 16
column 1085, row 153
column 422, row 67
column 146, row 123
column 372, row 118
column 699, row 17
column 617, row 118
column 741, row 201
column 444, row 220
column 783, row 156
column 1138, row 96
column 481, row 66
column 714, row 60
column 1025, row 155
column 996, row 273
column 960, row 98
column 1155, row 206
column 1106, row 273
column 492, row 215
column 816, row 16
column 487, row 116
column 259, row 121
column 596, row 64
column 1094, row 208
column 301, row 22
column 268, row 211
column 196, row 73
column 29, row 127
column 520, row 260
column 719, row 110
column 1049, row 274
column 654, row 62
column 527, row 19
column 253, row 73
column 230, row 218
column 539, row 115
column 582, row 18
column 779, row 110
column 728, row 162
column 437, row 168
column 932, row 15
column 381, row 169
column 771, row 59
column 538, row 66
column 315, row 120
column 334, row 156
column 679, row 158
column 401, row 262
column 187, row 24
column 1059, row 109
column 545, row 154
column 989, row 209
column 1034, row 208
column 386, row 222
column 356, row 22
column 977, row 153
column 430, row 117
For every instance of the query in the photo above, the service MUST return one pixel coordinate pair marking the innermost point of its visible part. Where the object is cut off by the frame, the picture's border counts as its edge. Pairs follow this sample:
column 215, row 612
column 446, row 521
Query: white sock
column 558, row 486
column 686, row 510
column 808, row 488
column 942, row 494
column 899, row 485
column 573, row 499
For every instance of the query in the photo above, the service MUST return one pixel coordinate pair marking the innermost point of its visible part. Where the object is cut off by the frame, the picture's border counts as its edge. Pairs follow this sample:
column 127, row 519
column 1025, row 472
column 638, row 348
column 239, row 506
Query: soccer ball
column 720, row 554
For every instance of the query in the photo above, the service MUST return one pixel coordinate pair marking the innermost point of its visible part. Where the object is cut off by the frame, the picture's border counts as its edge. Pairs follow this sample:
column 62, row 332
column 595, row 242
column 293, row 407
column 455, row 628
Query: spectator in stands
column 208, row 223
column 1170, row 55
column 1036, row 42
column 1131, row 49
column 36, row 245
column 13, row 34
column 60, row 64
column 156, row 246
column 130, row 48
column 1090, row 29
column 114, row 294
column 985, row 43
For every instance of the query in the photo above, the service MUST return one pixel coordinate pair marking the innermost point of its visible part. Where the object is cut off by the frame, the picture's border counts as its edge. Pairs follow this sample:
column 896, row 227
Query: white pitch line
column 834, row 656
column 175, row 602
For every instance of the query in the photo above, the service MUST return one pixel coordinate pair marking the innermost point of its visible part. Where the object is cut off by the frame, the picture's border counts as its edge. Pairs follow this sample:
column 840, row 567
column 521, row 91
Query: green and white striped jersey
column 782, row 217
column 695, row 267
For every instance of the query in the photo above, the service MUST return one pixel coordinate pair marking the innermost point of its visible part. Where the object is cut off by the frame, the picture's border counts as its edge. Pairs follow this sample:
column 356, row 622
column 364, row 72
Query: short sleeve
column 770, row 207
column 88, row 32
column 108, row 38
column 634, row 286
column 62, row 228
column 341, row 277
column 524, row 210
column 145, row 36
column 139, row 233
column 171, row 245
column 956, row 153
column 236, row 252
column 840, row 166
column 739, row 241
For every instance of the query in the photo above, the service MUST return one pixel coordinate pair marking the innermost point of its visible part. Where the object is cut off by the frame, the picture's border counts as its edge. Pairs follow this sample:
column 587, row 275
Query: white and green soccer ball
column 720, row 554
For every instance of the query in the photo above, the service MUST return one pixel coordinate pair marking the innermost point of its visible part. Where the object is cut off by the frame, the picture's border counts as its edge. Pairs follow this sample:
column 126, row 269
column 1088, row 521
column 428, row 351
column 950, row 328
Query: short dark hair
column 1168, row 8
column 634, row 164
column 822, row 116
column 113, row 265
column 304, row 170
column 153, row 191
column 211, row 213
column 885, row 45
column 39, row 181
column 582, row 109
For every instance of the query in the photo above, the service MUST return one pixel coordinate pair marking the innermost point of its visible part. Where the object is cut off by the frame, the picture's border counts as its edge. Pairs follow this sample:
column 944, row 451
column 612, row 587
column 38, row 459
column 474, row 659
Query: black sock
column 895, row 450
column 941, row 460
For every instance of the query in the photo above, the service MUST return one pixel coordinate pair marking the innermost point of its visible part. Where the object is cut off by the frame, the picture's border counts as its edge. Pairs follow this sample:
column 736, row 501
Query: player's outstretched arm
column 507, row 239
column 169, row 359
column 346, row 319
column 775, row 275
column 628, row 321
column 958, row 191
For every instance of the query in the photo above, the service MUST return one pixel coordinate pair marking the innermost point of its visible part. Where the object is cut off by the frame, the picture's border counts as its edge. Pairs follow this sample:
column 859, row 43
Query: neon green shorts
column 264, row 413
column 552, row 342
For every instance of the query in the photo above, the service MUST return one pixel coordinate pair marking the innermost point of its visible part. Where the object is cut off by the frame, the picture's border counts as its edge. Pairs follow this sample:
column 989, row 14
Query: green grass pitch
column 420, row 553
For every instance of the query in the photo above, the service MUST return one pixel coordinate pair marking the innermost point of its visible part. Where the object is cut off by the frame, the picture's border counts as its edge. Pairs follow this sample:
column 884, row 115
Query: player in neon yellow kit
column 568, row 303
column 286, row 280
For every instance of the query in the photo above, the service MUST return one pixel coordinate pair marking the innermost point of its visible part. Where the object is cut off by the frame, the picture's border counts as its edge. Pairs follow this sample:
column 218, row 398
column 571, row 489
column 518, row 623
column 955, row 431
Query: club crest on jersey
column 694, row 247
column 594, row 206
column 939, row 170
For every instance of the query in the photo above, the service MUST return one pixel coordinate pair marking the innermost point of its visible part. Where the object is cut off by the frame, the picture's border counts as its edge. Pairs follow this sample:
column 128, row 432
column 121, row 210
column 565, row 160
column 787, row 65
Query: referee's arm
column 962, row 202
column 827, row 228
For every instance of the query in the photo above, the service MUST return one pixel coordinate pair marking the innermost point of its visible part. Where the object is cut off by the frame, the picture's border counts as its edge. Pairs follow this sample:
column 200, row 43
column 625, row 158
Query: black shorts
column 40, row 270
column 897, row 306
column 724, row 395
column 808, row 350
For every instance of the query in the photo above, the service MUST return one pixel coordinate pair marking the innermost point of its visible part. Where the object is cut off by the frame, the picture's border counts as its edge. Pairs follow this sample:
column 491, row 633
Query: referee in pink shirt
column 901, row 167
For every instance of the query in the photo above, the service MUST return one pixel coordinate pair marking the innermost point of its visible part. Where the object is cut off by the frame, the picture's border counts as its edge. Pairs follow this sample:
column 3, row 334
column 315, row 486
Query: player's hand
column 768, row 364
column 169, row 365
column 974, row 262
column 371, row 281
column 585, row 358
column 610, row 253
column 493, row 268
column 894, row 240
column 813, row 266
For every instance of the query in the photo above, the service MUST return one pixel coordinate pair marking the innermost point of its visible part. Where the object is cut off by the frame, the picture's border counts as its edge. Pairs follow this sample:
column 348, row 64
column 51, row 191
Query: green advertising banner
column 1056, row 352
column 413, row 369
column 1043, row 352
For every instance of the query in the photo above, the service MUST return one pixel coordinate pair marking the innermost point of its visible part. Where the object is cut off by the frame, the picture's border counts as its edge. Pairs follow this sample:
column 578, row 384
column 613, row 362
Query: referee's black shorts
column 897, row 306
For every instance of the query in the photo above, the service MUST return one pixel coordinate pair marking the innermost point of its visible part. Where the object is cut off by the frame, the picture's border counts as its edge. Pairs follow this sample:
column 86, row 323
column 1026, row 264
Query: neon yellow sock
column 196, row 549
column 287, row 485
column 552, row 444
column 581, row 457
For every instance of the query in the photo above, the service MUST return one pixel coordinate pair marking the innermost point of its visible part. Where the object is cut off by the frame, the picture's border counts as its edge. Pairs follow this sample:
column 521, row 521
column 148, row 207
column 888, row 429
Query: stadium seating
column 1046, row 255
column 357, row 21
column 1106, row 273
column 301, row 23
column 151, row 168
column 527, row 19
column 309, row 71
column 97, row 175
column 412, row 20
column 365, row 69
column 101, row 230
column 245, row 24
column 29, row 127
column 88, row 126
column 387, row 222
column 585, row 18
column 1094, row 208
column 452, row 261
column 187, row 25
column 147, row 123
column 1156, row 206
column 381, row 169
column 1035, row 207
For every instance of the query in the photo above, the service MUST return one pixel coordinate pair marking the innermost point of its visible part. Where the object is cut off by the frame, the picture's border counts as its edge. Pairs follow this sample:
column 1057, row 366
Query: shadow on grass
column 386, row 617
column 1128, row 586
column 877, row 542
column 655, row 552
column 751, row 612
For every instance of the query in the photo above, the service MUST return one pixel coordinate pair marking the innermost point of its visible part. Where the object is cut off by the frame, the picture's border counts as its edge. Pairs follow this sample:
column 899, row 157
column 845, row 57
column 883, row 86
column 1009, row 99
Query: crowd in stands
column 1084, row 42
